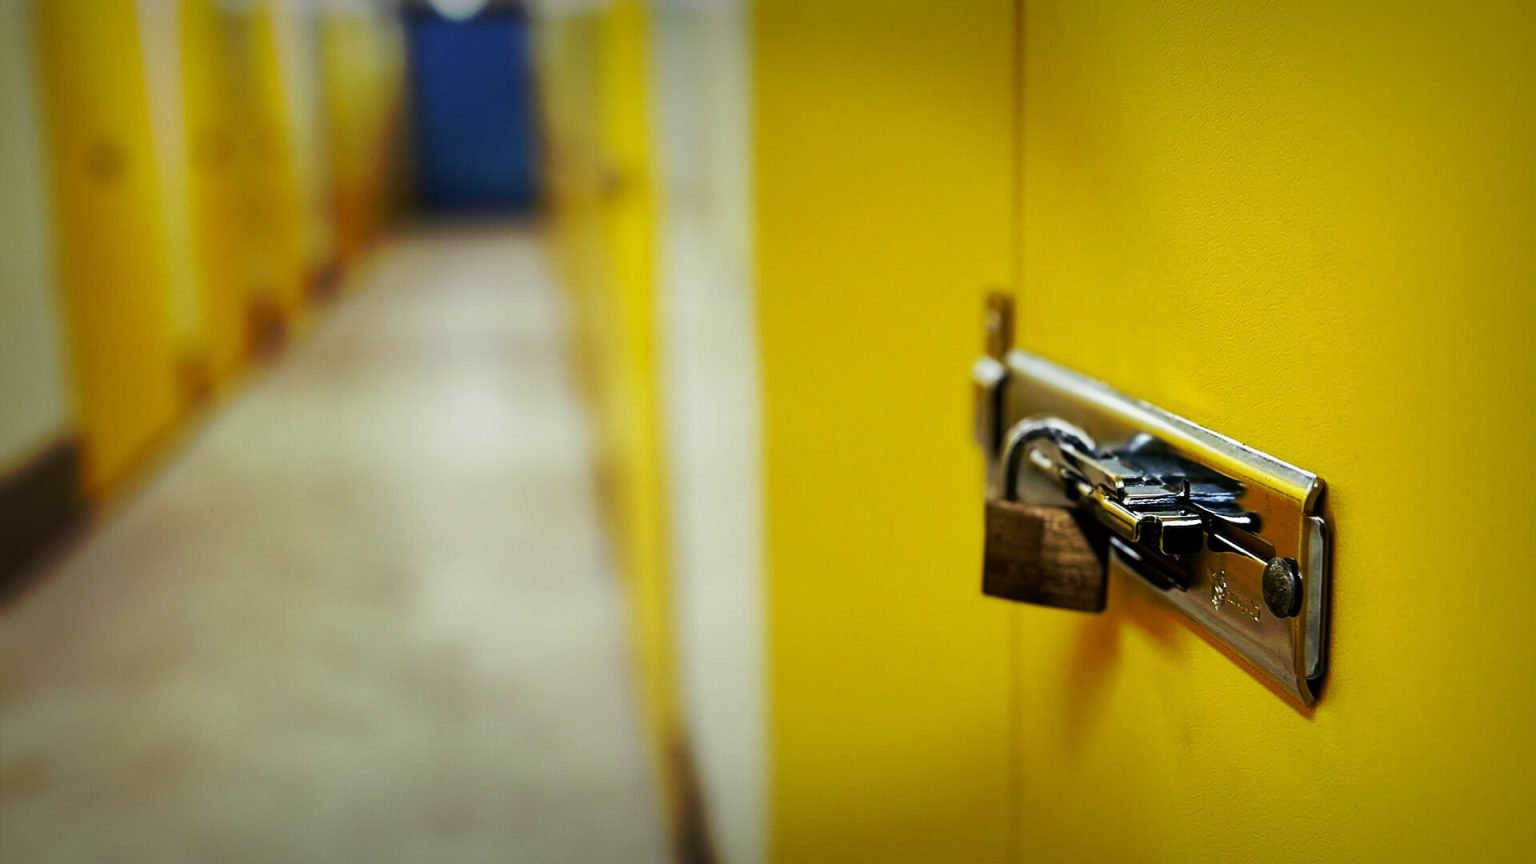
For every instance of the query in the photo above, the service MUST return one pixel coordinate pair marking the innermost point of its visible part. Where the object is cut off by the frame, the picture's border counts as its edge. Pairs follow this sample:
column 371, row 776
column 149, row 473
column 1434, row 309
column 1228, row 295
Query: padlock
column 1040, row 553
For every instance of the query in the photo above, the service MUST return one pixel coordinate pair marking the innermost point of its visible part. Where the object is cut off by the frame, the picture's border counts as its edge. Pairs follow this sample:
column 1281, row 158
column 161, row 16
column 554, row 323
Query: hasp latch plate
column 1230, row 536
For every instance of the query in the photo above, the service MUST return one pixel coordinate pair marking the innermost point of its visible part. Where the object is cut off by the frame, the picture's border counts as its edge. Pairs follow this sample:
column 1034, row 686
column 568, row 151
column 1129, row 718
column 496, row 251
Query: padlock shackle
column 1031, row 429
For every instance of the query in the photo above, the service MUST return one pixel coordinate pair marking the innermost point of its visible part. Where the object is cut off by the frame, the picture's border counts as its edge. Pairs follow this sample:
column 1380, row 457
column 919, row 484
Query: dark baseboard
column 690, row 830
column 324, row 282
column 39, row 503
column 266, row 325
column 194, row 375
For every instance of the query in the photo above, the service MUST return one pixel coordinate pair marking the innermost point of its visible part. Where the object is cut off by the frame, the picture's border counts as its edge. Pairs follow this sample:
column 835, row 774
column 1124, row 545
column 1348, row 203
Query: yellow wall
column 628, row 234
column 295, row 58
column 595, row 79
column 362, row 73
column 111, row 257
column 250, row 218
column 219, row 182
column 1308, row 227
column 883, row 146
column 283, row 200
column 180, row 207
column 160, row 40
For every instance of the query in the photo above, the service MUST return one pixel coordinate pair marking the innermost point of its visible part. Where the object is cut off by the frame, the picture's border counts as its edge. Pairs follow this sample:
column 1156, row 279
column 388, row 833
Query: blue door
column 473, row 112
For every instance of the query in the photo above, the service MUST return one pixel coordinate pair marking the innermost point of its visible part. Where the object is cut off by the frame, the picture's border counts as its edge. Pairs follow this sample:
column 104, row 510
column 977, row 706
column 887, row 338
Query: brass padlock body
column 1043, row 555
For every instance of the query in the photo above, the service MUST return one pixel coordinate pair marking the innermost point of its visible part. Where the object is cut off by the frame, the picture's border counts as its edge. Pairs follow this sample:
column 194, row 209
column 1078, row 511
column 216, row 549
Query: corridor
column 364, row 613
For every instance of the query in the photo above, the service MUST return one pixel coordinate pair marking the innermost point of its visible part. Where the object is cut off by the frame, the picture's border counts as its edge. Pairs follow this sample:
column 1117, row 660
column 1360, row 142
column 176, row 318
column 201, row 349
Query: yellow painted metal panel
column 219, row 183
column 282, row 205
column 596, row 88
column 883, row 148
column 362, row 61
column 1307, row 226
column 112, row 265
column 628, row 232
column 160, row 43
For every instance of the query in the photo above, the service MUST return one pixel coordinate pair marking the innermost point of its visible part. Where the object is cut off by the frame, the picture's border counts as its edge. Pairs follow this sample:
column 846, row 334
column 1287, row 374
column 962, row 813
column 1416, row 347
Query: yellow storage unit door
column 597, row 90
column 1308, row 228
column 111, row 256
column 362, row 61
column 883, row 148
column 277, row 167
column 218, row 183
column 629, row 307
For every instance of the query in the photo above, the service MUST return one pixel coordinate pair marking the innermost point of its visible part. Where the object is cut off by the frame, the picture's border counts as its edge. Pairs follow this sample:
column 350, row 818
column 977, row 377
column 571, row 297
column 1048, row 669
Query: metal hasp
column 1232, row 537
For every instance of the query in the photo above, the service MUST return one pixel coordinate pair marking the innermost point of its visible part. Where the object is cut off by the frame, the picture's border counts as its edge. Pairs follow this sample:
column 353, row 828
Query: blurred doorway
column 473, row 110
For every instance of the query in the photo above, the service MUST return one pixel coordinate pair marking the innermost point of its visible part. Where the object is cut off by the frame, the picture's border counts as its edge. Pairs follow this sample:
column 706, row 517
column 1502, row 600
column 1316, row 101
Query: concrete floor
column 365, row 615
